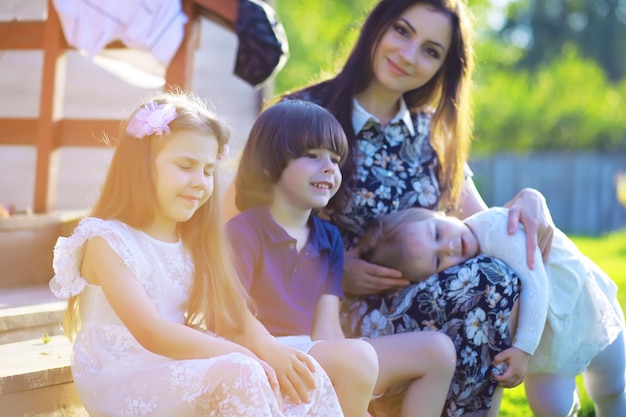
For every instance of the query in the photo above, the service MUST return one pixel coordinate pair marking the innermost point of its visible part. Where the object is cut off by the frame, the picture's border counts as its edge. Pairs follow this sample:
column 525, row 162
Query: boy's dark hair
column 284, row 131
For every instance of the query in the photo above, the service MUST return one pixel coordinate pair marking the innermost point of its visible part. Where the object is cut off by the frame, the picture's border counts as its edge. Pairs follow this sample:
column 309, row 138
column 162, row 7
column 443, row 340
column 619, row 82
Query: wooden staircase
column 35, row 377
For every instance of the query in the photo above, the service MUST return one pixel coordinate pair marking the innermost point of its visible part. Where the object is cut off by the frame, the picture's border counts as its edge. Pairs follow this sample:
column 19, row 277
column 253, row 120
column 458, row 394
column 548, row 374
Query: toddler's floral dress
column 116, row 376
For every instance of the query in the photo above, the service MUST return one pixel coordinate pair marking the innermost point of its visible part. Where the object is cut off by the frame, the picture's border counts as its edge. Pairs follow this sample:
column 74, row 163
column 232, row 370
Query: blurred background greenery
column 550, row 73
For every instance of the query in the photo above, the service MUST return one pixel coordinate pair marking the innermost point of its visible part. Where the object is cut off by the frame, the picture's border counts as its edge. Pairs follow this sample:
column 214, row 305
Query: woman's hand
column 293, row 370
column 529, row 208
column 363, row 278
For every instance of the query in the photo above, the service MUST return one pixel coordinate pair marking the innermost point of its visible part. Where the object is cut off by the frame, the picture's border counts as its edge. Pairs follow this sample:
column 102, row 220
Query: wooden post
column 180, row 71
column 50, row 108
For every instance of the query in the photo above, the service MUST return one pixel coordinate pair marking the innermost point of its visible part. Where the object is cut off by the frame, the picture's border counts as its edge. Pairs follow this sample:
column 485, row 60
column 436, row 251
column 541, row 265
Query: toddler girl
column 569, row 321
column 291, row 263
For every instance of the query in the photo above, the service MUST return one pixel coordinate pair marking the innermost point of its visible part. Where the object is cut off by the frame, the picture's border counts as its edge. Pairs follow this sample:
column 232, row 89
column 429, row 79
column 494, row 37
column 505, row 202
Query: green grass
column 609, row 252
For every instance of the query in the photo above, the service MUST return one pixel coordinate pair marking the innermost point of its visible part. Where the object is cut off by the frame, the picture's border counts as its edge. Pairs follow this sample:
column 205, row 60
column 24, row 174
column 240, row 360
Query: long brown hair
column 447, row 93
column 217, row 298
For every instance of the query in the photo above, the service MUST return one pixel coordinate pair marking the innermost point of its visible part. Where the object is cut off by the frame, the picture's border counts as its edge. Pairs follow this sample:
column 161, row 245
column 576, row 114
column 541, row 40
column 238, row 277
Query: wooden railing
column 49, row 132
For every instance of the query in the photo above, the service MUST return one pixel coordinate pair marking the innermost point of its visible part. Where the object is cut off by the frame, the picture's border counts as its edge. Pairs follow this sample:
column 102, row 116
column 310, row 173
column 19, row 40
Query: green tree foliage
column 565, row 103
column 597, row 27
column 320, row 34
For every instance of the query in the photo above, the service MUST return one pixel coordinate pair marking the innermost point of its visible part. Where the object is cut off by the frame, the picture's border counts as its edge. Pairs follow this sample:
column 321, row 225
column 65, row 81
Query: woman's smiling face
column 412, row 49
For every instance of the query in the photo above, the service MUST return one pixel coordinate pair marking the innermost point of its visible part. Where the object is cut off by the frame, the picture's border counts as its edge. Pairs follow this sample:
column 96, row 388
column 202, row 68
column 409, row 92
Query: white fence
column 579, row 187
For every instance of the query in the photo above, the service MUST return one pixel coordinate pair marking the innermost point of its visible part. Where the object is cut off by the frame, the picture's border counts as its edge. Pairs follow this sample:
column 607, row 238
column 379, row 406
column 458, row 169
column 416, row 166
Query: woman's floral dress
column 116, row 376
column 471, row 302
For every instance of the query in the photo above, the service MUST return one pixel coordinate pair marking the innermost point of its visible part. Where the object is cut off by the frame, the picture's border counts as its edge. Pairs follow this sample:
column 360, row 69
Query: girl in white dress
column 160, row 323
column 569, row 318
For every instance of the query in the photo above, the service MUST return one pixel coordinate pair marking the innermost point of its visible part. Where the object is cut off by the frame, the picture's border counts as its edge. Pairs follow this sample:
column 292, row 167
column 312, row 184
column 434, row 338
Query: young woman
column 290, row 261
column 160, row 320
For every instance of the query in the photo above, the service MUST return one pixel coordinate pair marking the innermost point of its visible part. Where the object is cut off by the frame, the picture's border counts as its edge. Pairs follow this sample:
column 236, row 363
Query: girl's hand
column 517, row 364
column 529, row 208
column 273, row 380
column 363, row 278
column 293, row 370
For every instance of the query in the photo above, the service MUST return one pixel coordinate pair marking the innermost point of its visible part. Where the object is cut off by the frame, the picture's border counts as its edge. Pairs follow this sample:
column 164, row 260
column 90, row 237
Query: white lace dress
column 116, row 376
column 569, row 295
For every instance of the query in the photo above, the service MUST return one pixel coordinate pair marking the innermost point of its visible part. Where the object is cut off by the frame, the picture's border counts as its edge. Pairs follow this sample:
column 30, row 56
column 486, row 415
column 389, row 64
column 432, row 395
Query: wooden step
column 28, row 313
column 35, row 376
column 35, row 379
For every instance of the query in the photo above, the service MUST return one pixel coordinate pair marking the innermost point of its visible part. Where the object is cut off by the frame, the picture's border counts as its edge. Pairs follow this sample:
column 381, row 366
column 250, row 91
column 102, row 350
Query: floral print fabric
column 471, row 303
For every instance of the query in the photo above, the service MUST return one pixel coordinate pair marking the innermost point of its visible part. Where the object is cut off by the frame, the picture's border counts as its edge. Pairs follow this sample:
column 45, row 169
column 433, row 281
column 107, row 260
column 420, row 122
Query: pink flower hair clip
column 151, row 119
column 224, row 153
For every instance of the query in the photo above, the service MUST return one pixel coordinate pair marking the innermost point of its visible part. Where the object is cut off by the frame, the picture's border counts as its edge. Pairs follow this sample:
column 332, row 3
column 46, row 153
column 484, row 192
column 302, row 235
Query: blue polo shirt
column 284, row 284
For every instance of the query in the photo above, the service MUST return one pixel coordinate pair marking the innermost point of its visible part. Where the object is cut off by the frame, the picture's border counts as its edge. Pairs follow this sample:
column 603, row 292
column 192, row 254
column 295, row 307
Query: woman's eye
column 184, row 167
column 433, row 53
column 310, row 155
column 335, row 161
column 401, row 30
column 209, row 173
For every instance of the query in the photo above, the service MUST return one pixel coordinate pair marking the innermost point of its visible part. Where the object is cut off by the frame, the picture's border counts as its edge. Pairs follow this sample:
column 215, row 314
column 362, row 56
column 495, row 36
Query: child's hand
column 273, row 380
column 517, row 364
column 293, row 369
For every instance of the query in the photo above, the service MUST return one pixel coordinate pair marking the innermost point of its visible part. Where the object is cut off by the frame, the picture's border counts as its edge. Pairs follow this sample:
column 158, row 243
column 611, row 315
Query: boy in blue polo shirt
column 291, row 262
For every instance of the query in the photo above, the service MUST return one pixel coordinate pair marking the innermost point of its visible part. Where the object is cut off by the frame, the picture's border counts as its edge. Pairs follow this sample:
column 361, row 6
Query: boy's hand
column 516, row 361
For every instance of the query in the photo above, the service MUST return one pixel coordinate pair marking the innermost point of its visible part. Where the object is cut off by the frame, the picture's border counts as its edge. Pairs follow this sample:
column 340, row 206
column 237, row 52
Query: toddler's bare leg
column 605, row 380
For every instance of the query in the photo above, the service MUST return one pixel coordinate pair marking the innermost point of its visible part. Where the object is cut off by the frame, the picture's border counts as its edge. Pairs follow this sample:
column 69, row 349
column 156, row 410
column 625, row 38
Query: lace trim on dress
column 68, row 254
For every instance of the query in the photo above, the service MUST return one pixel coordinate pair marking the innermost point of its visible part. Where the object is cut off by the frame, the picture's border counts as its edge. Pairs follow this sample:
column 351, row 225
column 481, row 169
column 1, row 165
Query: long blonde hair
column 218, row 300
